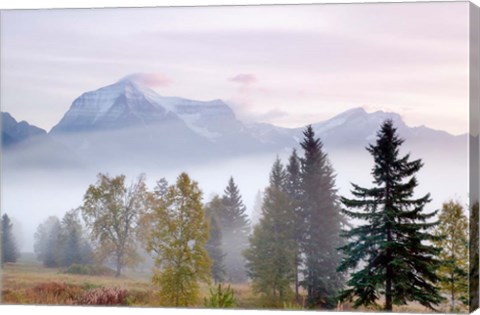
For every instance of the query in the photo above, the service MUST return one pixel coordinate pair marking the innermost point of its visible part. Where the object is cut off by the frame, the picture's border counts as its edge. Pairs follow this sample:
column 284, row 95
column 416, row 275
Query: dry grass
column 29, row 283
column 34, row 284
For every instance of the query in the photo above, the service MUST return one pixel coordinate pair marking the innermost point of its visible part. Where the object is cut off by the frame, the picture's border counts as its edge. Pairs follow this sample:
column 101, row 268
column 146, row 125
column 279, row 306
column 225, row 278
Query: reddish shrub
column 105, row 296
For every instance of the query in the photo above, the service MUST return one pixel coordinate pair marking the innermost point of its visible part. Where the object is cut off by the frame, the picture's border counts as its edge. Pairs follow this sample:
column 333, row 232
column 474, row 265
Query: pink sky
column 286, row 65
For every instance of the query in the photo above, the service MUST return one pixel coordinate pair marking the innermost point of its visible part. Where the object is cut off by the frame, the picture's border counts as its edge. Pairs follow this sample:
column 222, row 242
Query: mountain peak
column 130, row 102
column 356, row 111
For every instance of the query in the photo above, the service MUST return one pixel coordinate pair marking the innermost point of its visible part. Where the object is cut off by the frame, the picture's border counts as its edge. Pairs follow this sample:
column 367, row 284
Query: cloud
column 244, row 78
column 150, row 79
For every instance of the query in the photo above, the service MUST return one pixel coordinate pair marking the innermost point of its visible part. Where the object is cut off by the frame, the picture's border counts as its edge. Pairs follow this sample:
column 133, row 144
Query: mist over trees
column 299, row 251
column 214, row 244
column 298, row 234
column 322, row 224
column 257, row 208
column 235, row 228
column 62, row 243
column 47, row 242
column 10, row 252
column 271, row 254
column 395, row 244
column 293, row 187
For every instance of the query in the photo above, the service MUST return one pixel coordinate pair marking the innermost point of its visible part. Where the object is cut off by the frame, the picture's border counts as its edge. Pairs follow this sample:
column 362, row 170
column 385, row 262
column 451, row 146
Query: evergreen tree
column 322, row 222
column 9, row 247
column 271, row 254
column 293, row 186
column 178, row 242
column 214, row 244
column 235, row 228
column 392, row 253
column 453, row 230
column 278, row 175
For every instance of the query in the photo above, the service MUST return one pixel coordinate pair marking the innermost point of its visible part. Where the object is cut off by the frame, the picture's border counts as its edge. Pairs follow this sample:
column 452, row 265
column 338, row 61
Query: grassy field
column 28, row 282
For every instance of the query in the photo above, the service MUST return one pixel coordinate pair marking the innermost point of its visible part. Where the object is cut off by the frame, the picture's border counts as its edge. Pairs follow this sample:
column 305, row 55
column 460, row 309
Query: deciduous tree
column 111, row 210
column 178, row 242
column 453, row 230
column 47, row 242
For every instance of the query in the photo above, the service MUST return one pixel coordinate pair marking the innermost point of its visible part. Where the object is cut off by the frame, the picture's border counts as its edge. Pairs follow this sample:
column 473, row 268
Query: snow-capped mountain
column 127, row 121
column 119, row 105
column 127, row 104
column 14, row 132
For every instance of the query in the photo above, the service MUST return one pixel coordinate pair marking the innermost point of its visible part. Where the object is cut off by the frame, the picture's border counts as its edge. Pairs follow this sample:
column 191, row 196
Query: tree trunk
column 388, row 290
column 119, row 266
column 297, row 295
column 453, row 293
column 388, row 282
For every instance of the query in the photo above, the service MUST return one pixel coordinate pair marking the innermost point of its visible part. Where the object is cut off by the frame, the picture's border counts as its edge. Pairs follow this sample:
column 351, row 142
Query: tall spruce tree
column 293, row 187
column 214, row 243
column 9, row 247
column 271, row 254
column 392, row 253
column 235, row 228
column 322, row 224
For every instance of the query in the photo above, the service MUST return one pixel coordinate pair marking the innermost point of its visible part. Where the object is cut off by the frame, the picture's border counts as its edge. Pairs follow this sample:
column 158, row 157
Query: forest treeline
column 308, row 247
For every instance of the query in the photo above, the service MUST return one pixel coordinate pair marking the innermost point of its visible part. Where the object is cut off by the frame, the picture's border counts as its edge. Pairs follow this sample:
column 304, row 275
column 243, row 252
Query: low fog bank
column 30, row 195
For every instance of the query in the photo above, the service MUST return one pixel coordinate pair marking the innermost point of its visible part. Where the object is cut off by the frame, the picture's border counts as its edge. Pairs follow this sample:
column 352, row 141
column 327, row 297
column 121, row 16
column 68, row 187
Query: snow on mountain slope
column 128, row 103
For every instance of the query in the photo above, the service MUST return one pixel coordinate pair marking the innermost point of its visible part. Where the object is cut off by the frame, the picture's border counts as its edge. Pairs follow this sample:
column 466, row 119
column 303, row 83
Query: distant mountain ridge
column 356, row 127
column 129, row 121
column 14, row 132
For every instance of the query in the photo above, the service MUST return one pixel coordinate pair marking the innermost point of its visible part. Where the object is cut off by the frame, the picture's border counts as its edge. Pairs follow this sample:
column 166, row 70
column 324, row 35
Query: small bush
column 105, row 296
column 78, row 269
column 220, row 298
column 90, row 270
